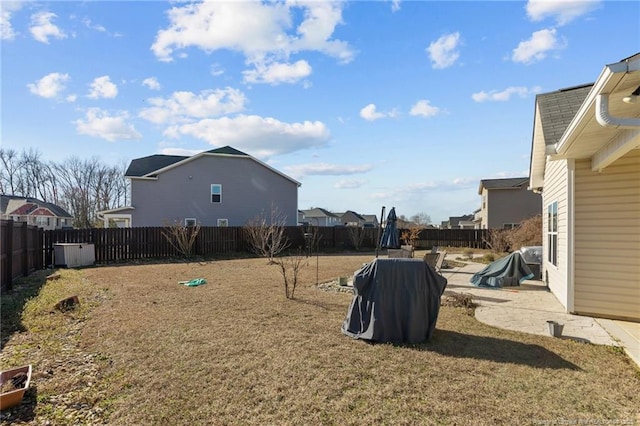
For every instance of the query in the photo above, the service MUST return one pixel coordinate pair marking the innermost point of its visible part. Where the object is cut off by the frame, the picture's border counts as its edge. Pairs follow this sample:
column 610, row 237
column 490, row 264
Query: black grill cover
column 396, row 301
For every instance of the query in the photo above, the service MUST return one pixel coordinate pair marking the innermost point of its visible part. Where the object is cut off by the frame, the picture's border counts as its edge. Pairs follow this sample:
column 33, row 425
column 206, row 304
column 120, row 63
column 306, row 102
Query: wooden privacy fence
column 122, row 244
column 20, row 251
column 25, row 248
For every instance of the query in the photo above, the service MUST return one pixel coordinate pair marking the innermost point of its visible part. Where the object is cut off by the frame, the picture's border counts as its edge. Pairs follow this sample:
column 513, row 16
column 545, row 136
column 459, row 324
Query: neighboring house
column 371, row 220
column 34, row 212
column 320, row 217
column 458, row 222
column 507, row 202
column 586, row 163
column 220, row 187
column 351, row 218
column 477, row 219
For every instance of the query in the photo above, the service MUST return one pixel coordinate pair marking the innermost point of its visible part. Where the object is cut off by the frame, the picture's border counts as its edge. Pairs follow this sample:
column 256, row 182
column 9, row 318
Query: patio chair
column 440, row 261
column 431, row 259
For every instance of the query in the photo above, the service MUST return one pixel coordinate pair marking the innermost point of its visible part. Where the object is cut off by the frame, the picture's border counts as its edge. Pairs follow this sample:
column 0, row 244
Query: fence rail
column 25, row 248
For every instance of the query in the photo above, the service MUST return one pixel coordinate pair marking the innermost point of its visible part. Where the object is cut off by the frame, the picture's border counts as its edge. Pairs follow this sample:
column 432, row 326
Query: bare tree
column 82, row 187
column 181, row 237
column 421, row 219
column 266, row 235
column 290, row 267
column 36, row 177
column 77, row 188
column 498, row 240
column 9, row 171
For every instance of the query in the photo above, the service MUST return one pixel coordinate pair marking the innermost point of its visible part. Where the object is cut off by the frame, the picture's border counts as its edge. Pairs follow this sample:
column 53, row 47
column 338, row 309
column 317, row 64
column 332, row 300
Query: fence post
column 8, row 272
column 25, row 248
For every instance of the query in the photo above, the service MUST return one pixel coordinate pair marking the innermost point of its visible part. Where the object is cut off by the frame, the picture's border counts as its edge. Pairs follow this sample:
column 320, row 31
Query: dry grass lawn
column 236, row 351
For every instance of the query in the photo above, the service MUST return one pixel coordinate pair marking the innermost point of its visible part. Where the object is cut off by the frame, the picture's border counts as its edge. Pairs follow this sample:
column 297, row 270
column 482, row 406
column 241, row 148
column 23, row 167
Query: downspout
column 571, row 236
column 606, row 120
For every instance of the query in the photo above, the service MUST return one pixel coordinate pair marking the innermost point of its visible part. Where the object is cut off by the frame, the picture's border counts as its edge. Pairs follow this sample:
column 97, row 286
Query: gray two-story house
column 507, row 202
column 220, row 187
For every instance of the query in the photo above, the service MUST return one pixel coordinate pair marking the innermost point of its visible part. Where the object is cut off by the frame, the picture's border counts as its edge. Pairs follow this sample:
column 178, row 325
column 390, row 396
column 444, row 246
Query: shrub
column 489, row 257
column 468, row 253
column 529, row 233
column 498, row 240
column 290, row 268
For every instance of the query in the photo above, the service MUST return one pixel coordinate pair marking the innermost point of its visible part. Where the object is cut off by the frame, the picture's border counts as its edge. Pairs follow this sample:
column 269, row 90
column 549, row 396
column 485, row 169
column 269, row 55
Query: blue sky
column 395, row 103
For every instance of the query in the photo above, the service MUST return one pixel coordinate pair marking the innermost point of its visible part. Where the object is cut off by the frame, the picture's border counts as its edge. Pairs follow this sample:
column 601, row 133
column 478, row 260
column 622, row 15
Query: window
column 216, row 193
column 42, row 220
column 223, row 222
column 190, row 222
column 552, row 233
column 510, row 225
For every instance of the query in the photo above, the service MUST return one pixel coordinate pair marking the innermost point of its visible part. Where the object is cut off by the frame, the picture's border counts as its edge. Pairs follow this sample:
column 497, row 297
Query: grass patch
column 236, row 351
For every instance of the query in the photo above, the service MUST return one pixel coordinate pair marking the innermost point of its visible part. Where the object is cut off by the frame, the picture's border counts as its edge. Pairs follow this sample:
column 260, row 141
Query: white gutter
column 606, row 120
column 609, row 77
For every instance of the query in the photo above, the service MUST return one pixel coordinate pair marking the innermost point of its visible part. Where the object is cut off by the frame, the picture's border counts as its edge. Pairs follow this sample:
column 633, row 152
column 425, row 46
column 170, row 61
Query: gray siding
column 248, row 189
column 511, row 206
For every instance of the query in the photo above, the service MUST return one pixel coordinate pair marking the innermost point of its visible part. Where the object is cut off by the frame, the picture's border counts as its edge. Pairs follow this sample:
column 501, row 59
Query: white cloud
column 183, row 106
column 370, row 113
column 7, row 9
column 50, row 85
column 71, row 98
column 216, row 70
column 349, row 183
column 102, row 87
column 505, row 94
column 325, row 169
column 277, row 73
column 100, row 124
column 152, row 83
column 42, row 27
column 263, row 137
column 537, row 47
column 395, row 5
column 87, row 23
column 263, row 32
column 562, row 11
column 424, row 108
column 444, row 51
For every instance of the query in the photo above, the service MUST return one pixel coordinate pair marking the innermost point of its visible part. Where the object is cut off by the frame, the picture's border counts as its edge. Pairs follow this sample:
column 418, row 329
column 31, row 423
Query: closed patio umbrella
column 390, row 237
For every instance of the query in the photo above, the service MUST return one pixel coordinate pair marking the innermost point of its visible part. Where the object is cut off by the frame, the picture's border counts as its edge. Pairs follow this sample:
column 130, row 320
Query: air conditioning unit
column 73, row 255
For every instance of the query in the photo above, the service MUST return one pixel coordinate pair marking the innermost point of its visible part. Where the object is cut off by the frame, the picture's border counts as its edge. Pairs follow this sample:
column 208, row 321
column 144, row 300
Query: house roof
column 508, row 183
column 591, row 121
column 145, row 165
column 150, row 166
column 318, row 212
column 371, row 218
column 351, row 212
column 455, row 220
column 55, row 209
column 558, row 108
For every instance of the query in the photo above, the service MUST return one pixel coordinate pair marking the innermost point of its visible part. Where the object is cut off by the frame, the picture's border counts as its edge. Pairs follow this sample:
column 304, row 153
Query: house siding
column 507, row 206
column 248, row 190
column 607, row 242
column 555, row 189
